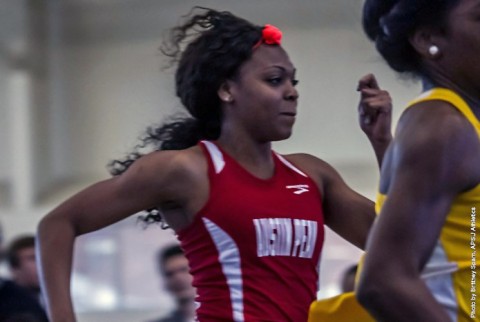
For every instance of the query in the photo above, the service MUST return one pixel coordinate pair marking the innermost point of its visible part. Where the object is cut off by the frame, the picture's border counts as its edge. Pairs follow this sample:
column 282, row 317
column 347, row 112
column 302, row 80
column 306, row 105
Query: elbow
column 367, row 296
column 43, row 224
column 51, row 227
column 44, row 227
column 371, row 289
column 44, row 239
column 44, row 231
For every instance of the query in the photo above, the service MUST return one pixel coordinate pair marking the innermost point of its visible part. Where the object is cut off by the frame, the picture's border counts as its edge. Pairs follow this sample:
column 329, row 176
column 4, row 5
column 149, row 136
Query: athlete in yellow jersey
column 451, row 267
column 421, row 262
column 450, row 271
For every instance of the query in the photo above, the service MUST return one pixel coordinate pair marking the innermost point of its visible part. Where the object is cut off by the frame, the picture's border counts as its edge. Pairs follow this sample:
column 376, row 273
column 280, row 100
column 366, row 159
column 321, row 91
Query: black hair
column 218, row 43
column 166, row 253
column 390, row 23
column 18, row 244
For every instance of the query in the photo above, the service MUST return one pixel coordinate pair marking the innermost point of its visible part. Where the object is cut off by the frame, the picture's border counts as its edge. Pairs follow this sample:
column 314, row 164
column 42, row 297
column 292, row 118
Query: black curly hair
column 390, row 23
column 217, row 44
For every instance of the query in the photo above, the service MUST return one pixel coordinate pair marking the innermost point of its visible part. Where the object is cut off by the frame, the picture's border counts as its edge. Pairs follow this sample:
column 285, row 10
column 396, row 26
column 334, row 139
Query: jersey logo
column 301, row 188
column 285, row 237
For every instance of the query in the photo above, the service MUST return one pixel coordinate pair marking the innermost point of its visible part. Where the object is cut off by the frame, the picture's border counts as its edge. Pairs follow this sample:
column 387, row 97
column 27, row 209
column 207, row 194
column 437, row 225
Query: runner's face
column 264, row 94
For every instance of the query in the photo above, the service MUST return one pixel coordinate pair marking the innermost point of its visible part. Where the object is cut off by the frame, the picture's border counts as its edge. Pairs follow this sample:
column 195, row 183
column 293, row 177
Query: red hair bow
column 271, row 35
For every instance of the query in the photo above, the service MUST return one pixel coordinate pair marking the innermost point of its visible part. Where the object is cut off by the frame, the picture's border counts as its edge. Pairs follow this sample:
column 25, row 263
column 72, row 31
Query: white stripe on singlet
column 437, row 275
column 216, row 156
column 229, row 258
column 291, row 166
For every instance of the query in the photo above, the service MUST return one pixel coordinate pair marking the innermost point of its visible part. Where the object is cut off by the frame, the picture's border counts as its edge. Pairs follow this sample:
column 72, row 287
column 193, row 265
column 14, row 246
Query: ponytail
column 218, row 43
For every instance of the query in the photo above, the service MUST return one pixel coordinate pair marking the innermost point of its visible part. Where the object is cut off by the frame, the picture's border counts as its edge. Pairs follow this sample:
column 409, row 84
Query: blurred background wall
column 81, row 79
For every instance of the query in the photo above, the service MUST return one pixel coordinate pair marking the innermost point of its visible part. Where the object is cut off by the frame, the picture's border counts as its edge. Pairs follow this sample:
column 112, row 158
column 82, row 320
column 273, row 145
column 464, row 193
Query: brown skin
column 374, row 115
column 258, row 106
column 456, row 66
column 423, row 171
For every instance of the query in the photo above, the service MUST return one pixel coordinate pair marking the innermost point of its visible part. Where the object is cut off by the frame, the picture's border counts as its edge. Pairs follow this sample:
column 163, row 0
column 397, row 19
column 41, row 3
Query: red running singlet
column 254, row 247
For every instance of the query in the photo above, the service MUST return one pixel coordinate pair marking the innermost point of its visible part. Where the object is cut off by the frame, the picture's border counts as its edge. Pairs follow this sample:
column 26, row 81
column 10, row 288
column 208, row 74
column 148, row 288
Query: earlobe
column 224, row 93
column 426, row 43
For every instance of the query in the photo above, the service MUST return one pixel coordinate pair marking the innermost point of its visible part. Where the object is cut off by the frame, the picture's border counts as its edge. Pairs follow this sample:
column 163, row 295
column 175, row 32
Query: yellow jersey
column 451, row 271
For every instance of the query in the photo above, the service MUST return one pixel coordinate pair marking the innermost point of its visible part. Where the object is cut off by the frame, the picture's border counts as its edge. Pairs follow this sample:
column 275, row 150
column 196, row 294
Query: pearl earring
column 433, row 50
